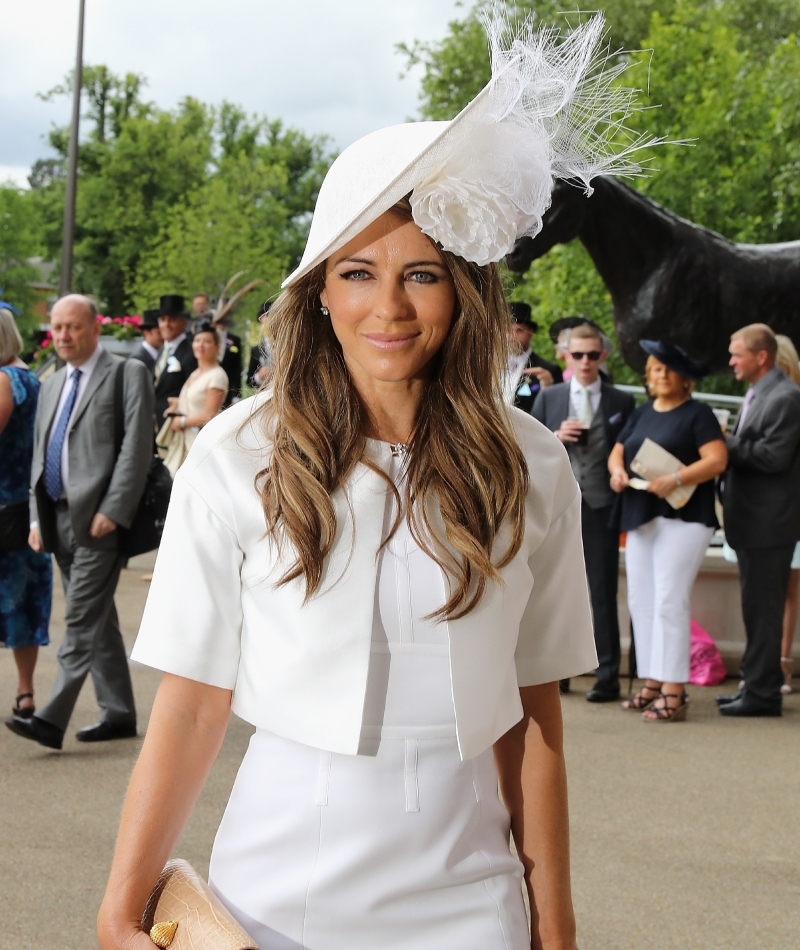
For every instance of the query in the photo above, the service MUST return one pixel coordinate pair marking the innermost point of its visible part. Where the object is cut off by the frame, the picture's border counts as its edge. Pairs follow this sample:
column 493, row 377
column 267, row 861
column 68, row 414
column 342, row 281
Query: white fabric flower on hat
column 481, row 201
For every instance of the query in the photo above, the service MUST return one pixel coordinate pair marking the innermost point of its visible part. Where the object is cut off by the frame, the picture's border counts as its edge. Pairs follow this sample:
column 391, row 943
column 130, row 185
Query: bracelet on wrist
column 677, row 478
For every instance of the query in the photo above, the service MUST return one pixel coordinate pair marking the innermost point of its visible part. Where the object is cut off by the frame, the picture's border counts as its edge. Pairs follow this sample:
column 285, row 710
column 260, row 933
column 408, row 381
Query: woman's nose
column 391, row 300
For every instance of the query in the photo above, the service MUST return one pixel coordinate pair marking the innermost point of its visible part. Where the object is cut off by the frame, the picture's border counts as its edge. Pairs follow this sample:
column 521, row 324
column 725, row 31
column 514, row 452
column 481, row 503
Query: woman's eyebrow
column 426, row 263
column 355, row 260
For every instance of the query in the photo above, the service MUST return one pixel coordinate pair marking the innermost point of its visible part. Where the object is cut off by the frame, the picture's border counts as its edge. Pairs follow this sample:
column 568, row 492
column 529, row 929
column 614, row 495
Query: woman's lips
column 390, row 341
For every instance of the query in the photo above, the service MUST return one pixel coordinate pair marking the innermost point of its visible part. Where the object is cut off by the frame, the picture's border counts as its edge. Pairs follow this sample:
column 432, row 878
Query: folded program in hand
column 652, row 461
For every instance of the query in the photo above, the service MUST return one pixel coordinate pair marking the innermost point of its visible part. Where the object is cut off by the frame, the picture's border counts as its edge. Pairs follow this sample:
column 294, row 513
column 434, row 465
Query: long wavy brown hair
column 464, row 458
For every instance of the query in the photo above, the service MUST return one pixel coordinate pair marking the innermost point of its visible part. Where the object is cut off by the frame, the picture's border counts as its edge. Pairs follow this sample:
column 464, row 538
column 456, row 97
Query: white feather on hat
column 483, row 180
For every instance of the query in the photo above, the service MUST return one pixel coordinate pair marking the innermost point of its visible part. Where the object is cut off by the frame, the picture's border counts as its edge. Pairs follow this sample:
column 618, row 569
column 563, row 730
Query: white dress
column 401, row 847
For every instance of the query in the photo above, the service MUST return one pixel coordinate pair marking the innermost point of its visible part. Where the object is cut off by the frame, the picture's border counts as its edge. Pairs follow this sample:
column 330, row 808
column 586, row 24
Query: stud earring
column 325, row 312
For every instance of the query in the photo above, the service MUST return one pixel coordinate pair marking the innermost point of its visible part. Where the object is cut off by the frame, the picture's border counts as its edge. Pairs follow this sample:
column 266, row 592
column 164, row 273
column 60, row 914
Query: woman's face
column 391, row 301
column 204, row 347
column 665, row 382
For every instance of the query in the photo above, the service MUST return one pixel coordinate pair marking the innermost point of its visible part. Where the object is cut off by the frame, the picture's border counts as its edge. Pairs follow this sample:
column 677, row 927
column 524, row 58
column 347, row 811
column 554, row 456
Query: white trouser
column 662, row 559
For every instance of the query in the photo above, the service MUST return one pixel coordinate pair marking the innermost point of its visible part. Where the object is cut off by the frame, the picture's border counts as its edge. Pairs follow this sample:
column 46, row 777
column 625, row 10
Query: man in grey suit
column 587, row 414
column 82, row 490
column 761, row 504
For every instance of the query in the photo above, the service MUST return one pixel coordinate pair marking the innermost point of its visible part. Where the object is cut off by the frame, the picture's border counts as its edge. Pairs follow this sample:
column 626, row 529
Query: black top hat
column 674, row 357
column 521, row 313
column 172, row 305
column 149, row 320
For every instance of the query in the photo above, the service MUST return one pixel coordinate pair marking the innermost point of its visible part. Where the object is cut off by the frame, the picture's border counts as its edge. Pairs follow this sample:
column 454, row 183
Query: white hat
column 483, row 180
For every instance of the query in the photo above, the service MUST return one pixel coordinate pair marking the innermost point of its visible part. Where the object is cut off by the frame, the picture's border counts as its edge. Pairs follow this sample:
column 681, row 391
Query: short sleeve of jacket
column 556, row 639
column 193, row 617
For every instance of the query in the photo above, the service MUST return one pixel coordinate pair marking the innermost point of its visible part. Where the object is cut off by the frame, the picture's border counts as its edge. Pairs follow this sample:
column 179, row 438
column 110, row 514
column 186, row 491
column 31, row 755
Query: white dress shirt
column 513, row 377
column 576, row 394
column 86, row 374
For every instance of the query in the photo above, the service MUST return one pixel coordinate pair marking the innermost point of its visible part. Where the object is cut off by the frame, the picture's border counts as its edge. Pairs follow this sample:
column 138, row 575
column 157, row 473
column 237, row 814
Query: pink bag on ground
column 705, row 663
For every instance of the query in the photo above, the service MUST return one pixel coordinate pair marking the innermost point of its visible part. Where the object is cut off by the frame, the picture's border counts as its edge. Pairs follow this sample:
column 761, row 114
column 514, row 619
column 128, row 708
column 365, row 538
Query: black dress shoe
column 730, row 698
column 748, row 707
column 563, row 687
column 103, row 731
column 38, row 730
column 603, row 693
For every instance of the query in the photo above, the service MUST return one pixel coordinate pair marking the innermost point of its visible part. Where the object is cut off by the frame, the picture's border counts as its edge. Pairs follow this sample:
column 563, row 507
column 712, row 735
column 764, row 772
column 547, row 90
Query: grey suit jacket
column 99, row 479
column 761, row 488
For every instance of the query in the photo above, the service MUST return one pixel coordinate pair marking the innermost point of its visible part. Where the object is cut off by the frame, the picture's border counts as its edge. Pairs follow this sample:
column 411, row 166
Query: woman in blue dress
column 26, row 578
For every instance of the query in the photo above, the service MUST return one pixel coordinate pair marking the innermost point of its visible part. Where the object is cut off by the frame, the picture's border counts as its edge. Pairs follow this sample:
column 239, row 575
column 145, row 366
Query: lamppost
column 68, row 236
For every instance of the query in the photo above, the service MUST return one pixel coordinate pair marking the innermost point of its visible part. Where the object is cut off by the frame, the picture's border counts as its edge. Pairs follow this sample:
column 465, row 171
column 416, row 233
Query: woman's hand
column 178, row 423
column 663, row 485
column 172, row 405
column 620, row 480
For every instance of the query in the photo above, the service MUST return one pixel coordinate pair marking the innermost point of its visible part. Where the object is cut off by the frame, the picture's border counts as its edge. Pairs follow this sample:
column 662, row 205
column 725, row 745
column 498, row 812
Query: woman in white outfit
column 665, row 546
column 377, row 551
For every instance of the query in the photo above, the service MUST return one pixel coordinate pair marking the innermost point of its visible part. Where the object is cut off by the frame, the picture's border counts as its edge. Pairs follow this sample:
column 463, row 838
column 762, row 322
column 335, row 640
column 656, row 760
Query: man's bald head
column 74, row 326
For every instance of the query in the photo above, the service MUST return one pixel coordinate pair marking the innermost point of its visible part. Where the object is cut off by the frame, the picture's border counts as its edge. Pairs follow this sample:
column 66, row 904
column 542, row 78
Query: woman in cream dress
column 203, row 393
column 385, row 568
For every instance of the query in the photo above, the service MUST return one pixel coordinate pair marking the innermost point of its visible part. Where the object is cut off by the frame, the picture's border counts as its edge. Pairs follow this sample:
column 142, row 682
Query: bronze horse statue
column 669, row 278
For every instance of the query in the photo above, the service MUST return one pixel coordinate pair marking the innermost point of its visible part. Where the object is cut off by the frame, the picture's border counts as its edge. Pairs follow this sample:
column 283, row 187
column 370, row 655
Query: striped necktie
column 52, row 460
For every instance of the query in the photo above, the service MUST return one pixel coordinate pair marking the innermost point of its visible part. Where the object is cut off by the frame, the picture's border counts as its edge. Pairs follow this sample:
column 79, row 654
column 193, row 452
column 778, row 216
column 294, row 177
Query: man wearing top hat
column 175, row 362
column 527, row 372
column 152, row 340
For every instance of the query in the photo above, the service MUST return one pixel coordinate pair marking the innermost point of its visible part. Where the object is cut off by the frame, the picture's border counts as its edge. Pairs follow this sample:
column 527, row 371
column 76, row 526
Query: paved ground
column 684, row 836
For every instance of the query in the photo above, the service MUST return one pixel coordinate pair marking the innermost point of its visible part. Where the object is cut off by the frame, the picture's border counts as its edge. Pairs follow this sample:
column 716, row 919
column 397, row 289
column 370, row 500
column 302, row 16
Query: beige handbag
column 183, row 913
column 171, row 446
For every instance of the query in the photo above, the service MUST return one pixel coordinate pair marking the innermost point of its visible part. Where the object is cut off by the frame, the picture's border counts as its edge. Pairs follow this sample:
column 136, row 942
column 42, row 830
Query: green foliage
column 255, row 206
column 723, row 73
column 172, row 201
column 456, row 68
column 18, row 242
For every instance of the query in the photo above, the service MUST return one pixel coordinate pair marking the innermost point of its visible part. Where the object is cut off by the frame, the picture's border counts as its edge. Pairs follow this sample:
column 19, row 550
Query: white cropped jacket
column 299, row 670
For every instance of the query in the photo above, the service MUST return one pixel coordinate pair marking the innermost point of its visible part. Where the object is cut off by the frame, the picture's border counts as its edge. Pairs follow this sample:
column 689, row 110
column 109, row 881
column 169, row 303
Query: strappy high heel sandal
column 787, row 664
column 667, row 713
column 640, row 701
column 23, row 712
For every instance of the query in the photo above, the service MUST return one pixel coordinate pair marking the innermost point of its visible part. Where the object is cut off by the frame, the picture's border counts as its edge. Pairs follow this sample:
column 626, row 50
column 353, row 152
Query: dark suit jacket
column 525, row 403
column 171, row 381
column 552, row 408
column 231, row 362
column 143, row 356
column 99, row 479
column 761, row 488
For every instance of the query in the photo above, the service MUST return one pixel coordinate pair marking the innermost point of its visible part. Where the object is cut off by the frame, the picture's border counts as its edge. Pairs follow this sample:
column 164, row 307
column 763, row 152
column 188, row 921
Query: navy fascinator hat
column 674, row 357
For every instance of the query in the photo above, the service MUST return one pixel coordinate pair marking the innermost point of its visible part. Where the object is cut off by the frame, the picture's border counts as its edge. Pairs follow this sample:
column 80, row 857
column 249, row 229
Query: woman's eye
column 355, row 275
column 422, row 277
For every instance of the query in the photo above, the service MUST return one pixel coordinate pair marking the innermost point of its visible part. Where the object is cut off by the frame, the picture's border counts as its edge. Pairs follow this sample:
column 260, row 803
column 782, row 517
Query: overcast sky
column 325, row 66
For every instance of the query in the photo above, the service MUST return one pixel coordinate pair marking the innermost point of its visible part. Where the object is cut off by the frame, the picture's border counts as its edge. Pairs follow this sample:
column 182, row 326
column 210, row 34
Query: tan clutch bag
column 183, row 913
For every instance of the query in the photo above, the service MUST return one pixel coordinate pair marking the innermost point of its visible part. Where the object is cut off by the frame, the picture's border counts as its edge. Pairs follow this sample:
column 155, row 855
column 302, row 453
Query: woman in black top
column 666, row 545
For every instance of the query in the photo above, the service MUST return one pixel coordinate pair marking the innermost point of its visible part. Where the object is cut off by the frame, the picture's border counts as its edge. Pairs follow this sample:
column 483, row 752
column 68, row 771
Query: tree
column 250, row 214
column 157, row 198
column 18, row 243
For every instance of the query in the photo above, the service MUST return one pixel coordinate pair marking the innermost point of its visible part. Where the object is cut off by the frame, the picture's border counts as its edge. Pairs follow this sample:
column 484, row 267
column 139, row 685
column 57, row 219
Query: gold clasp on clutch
column 163, row 934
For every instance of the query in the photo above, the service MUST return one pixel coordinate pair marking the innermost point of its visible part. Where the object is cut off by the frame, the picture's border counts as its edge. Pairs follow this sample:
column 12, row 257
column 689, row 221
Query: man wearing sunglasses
column 587, row 414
